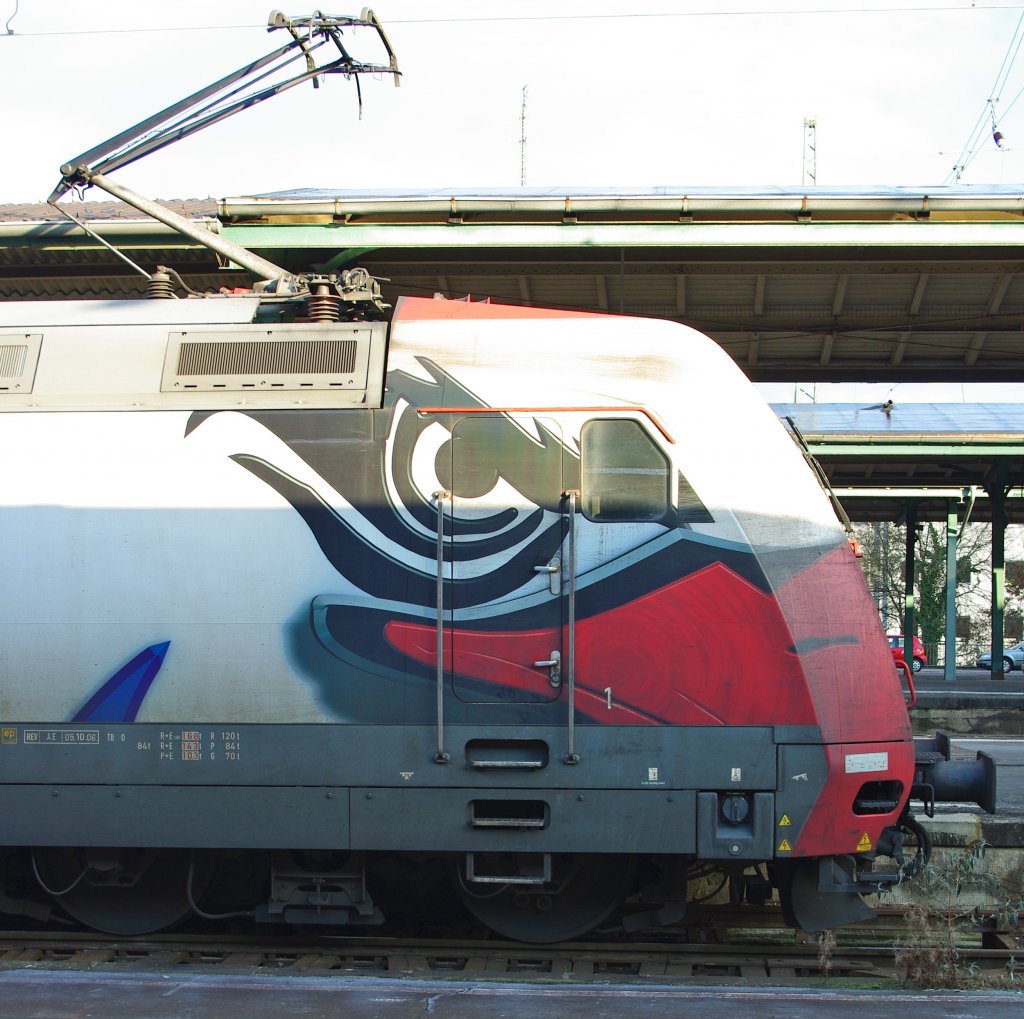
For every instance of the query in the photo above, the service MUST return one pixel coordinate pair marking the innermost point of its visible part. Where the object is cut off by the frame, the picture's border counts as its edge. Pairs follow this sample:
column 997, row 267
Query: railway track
column 752, row 955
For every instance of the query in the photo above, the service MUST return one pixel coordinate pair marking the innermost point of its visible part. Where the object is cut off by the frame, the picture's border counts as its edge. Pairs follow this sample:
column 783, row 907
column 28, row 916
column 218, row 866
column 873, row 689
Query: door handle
column 554, row 571
column 554, row 667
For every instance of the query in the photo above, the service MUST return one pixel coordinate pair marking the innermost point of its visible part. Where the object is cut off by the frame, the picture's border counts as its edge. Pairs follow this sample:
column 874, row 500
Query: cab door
column 504, row 640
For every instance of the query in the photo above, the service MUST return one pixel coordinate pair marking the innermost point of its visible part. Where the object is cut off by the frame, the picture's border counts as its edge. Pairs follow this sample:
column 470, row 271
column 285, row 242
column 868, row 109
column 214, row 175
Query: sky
column 685, row 93
column 682, row 93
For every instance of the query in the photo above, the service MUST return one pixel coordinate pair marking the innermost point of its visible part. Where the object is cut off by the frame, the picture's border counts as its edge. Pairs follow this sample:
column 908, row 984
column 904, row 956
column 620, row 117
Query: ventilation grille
column 270, row 357
column 12, row 360
column 286, row 357
column 18, row 358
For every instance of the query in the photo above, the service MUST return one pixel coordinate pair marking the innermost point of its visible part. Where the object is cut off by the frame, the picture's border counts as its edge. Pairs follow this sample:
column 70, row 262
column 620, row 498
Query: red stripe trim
column 430, row 309
column 551, row 410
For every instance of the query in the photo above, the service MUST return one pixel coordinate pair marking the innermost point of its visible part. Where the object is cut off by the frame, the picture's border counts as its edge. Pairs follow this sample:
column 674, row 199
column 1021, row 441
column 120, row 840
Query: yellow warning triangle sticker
column 785, row 847
column 864, row 844
column 785, row 820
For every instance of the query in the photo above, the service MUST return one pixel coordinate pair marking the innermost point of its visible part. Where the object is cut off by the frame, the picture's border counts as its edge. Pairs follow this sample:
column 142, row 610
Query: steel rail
column 762, row 962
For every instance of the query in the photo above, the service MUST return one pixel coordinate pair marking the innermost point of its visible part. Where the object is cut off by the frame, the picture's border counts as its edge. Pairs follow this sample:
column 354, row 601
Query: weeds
column 826, row 945
column 928, row 955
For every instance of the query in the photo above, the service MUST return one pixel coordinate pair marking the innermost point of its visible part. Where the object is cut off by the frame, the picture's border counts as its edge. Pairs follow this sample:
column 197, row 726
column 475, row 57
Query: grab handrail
column 572, row 757
column 441, row 756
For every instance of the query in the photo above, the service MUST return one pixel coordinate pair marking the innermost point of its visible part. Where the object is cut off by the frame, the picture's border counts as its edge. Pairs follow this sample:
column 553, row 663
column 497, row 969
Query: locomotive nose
column 826, row 892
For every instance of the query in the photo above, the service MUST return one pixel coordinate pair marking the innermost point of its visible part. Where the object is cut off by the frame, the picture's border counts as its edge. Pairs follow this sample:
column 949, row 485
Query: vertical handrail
column 901, row 663
column 441, row 756
column 572, row 757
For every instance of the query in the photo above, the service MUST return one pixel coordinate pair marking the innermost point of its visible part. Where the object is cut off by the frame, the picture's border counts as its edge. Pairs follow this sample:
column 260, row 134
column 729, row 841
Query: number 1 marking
column 608, row 695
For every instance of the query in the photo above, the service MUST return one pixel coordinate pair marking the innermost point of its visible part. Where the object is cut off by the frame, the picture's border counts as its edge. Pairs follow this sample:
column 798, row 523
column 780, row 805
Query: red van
column 896, row 646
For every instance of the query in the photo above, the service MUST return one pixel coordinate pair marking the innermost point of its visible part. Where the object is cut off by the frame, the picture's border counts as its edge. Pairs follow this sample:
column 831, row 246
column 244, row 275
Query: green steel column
column 952, row 525
column 997, row 494
column 909, row 616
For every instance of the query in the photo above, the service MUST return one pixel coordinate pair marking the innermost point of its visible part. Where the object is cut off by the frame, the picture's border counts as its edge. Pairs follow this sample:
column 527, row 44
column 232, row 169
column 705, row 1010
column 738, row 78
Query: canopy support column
column 996, row 489
column 909, row 614
column 952, row 534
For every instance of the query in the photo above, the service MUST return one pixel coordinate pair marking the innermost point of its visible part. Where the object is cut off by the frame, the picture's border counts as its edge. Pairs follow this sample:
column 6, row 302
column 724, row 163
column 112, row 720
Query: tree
column 884, row 549
column 931, row 584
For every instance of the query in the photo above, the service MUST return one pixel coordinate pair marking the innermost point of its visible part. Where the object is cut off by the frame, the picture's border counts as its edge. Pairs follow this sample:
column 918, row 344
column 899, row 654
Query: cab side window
column 624, row 475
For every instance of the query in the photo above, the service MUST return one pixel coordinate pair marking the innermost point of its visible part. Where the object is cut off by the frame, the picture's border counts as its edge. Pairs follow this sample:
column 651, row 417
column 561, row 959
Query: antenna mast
column 522, row 140
column 810, row 162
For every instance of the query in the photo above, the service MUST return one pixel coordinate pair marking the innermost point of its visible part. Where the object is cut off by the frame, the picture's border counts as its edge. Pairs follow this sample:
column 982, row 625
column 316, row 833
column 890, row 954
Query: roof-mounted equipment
column 257, row 81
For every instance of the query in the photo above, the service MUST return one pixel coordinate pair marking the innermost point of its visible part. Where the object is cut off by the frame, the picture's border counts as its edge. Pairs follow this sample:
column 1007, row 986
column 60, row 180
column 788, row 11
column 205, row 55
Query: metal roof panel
column 939, row 419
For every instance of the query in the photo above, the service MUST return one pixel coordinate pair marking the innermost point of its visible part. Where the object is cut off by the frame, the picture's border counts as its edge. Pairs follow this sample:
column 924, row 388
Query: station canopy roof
column 797, row 284
column 882, row 458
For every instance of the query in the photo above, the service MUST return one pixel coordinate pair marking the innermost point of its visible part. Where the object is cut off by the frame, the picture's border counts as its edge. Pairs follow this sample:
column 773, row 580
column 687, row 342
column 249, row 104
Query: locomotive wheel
column 804, row 902
column 583, row 891
column 122, row 891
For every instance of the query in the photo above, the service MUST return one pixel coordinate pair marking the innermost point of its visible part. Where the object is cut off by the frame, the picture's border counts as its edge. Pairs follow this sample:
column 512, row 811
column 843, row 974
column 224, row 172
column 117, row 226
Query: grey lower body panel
column 378, row 788
column 353, row 755
column 602, row 820
column 213, row 817
column 409, row 820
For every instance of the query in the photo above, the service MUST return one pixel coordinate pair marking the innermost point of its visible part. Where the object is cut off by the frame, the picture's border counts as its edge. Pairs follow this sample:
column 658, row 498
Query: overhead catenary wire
column 1002, row 76
column 1013, row 102
column 1004, row 69
column 973, row 144
column 588, row 17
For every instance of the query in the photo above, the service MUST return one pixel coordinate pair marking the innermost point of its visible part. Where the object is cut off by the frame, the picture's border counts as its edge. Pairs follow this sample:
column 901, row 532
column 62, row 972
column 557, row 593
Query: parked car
column 1013, row 658
column 896, row 646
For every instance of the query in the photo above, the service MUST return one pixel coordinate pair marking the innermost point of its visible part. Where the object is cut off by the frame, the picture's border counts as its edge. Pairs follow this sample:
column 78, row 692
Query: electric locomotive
column 495, row 593
column 301, row 606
